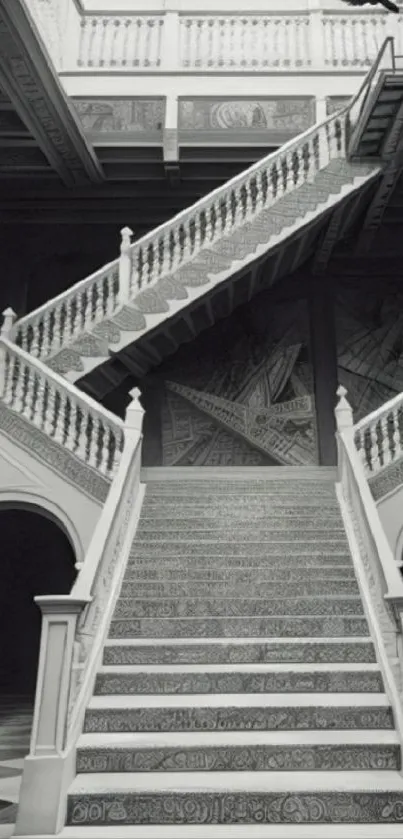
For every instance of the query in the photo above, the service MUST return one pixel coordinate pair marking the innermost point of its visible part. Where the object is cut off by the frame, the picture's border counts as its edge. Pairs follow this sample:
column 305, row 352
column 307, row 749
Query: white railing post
column 9, row 318
column 343, row 411
column 125, row 265
column 344, row 425
column 316, row 35
column 170, row 43
column 134, row 415
column 45, row 779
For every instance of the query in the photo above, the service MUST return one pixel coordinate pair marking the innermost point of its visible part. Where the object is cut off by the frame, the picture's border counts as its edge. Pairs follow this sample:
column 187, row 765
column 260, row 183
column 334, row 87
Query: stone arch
column 40, row 549
column 398, row 553
column 40, row 504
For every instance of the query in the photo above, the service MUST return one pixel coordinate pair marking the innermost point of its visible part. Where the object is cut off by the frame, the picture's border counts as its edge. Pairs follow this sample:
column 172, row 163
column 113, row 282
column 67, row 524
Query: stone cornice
column 28, row 78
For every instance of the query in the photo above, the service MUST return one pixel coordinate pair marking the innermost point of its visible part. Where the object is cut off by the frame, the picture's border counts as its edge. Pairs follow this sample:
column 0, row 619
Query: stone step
column 231, row 534
column 154, row 571
column 237, row 607
column 279, row 751
column 264, row 521
column 250, row 488
column 236, row 798
column 213, row 547
column 233, row 831
column 268, row 588
column 218, row 506
column 239, row 712
column 241, row 627
column 240, row 678
column 247, row 650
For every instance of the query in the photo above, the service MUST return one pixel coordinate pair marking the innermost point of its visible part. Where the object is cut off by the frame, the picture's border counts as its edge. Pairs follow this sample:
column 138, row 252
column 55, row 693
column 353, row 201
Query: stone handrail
column 376, row 566
column 60, row 410
column 378, row 437
column 274, row 41
column 74, row 627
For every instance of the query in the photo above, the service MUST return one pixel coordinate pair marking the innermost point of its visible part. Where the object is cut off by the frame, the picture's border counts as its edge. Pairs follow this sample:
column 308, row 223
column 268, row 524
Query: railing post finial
column 344, row 411
column 134, row 412
column 9, row 318
column 126, row 239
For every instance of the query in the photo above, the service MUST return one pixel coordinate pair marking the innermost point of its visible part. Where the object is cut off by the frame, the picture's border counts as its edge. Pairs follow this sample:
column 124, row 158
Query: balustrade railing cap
column 134, row 411
column 343, row 411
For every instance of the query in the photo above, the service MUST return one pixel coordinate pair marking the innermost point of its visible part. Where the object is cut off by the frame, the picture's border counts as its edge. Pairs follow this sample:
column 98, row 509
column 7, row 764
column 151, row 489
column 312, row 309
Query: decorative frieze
column 129, row 117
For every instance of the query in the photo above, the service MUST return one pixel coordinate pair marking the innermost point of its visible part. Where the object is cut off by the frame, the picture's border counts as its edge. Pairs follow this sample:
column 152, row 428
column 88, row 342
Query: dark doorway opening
column 36, row 557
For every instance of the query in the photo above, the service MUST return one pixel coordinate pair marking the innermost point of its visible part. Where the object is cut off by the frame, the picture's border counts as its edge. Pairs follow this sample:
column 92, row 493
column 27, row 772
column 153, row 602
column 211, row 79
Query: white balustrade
column 74, row 628
column 377, row 571
column 353, row 40
column 121, row 41
column 278, row 40
column 250, row 42
column 241, row 199
column 60, row 410
column 379, row 436
column 59, row 322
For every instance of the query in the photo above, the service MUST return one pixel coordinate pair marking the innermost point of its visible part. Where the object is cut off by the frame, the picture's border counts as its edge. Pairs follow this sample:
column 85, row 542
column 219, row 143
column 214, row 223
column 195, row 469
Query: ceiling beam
column 28, row 78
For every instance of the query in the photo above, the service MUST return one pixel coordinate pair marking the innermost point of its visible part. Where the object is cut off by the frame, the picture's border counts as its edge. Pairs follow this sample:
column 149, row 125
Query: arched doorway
column 36, row 557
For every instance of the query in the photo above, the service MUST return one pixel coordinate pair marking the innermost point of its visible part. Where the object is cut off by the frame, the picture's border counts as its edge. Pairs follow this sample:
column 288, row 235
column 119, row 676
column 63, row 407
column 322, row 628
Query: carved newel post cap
column 126, row 234
column 344, row 411
column 9, row 318
column 134, row 412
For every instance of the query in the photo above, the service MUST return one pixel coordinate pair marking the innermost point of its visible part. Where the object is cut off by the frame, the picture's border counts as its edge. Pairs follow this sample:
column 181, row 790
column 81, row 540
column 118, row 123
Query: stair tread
column 344, row 639
column 236, row 831
column 116, row 669
column 331, row 781
column 201, row 739
column 240, row 700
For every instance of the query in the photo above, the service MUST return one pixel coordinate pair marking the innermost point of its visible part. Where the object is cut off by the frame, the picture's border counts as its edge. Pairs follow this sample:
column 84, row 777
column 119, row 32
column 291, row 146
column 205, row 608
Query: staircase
column 243, row 689
column 239, row 685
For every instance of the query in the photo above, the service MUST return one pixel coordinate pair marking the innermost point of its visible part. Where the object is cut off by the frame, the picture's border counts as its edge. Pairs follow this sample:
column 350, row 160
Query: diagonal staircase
column 239, row 685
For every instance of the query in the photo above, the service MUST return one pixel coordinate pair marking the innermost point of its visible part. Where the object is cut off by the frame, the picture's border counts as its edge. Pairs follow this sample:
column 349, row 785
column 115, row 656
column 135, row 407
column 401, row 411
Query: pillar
column 324, row 363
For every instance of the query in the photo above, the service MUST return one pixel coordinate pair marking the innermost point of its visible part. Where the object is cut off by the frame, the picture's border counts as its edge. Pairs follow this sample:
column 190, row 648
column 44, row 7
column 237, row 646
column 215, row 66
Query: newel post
column 125, row 265
column 9, row 318
column 134, row 416
column 49, row 768
column 344, row 423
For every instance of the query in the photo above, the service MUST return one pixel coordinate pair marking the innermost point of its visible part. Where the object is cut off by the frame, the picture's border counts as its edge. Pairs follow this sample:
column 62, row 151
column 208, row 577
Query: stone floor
column 15, row 731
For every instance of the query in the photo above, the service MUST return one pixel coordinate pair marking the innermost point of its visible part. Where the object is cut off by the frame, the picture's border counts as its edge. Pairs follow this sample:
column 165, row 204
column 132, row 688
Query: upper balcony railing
column 317, row 36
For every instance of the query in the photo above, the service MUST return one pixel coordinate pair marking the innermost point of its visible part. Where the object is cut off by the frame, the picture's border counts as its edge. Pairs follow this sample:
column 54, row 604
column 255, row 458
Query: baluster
column 39, row 415
column 29, row 393
column 60, row 424
column 18, row 401
column 374, row 450
column 10, row 365
column 46, row 335
column 114, row 453
column 385, row 440
column 103, row 450
column 397, row 443
column 35, row 347
column 50, row 409
column 99, row 301
column 81, row 450
column 360, row 446
column 246, row 200
column 71, row 430
column 93, row 432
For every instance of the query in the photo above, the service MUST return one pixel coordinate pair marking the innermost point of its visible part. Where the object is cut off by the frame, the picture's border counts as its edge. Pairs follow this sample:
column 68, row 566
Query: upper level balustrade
column 312, row 36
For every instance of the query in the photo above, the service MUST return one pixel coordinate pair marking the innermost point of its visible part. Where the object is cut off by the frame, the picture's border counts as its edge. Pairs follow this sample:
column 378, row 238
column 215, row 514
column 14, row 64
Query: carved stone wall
column 369, row 323
column 242, row 393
